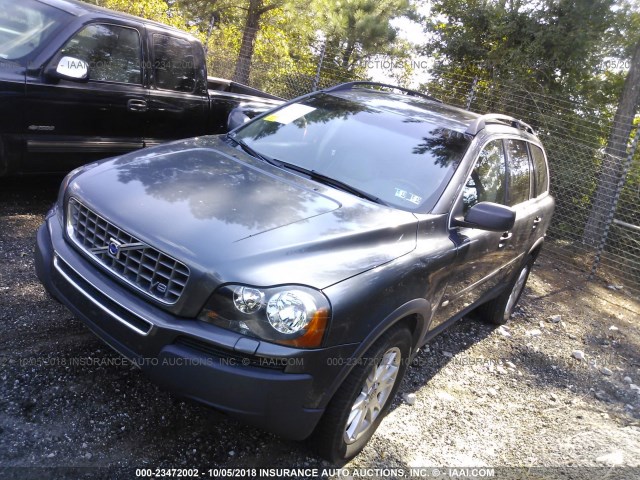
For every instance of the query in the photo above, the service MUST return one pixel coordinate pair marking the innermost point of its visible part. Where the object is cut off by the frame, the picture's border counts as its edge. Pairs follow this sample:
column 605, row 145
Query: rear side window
column 173, row 65
column 112, row 52
column 487, row 181
column 539, row 170
column 519, row 171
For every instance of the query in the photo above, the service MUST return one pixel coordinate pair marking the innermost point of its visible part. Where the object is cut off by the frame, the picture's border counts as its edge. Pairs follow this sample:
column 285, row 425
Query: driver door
column 70, row 122
column 483, row 258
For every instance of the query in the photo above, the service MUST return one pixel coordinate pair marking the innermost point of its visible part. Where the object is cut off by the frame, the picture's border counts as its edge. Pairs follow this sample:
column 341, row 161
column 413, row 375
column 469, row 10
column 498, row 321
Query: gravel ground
column 482, row 396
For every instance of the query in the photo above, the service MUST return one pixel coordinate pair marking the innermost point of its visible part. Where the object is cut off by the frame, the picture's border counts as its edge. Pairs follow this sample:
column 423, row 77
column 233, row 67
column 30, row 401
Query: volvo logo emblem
column 114, row 248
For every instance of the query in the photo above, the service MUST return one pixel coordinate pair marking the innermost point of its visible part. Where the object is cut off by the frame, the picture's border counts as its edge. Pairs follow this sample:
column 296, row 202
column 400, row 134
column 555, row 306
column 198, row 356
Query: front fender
column 416, row 312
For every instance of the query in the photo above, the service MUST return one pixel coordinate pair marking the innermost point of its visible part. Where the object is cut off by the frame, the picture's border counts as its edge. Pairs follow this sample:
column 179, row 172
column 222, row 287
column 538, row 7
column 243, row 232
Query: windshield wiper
column 250, row 150
column 319, row 177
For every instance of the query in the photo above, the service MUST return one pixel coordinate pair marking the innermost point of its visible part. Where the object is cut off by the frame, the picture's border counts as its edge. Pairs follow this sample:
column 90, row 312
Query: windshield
column 401, row 160
column 24, row 26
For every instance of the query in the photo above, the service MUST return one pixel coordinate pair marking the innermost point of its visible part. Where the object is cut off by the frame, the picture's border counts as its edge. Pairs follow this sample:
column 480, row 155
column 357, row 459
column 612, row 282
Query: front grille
column 140, row 265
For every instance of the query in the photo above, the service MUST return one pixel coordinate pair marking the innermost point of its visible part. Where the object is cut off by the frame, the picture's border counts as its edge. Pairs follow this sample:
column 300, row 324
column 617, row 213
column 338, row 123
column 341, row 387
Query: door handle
column 137, row 105
column 536, row 221
column 503, row 239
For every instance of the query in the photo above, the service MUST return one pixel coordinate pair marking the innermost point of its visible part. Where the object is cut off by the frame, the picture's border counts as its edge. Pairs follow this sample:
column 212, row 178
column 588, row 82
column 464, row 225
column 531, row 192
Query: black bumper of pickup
column 285, row 394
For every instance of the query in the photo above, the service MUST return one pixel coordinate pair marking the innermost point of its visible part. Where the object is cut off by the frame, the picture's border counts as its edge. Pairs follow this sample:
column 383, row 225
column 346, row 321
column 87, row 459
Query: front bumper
column 277, row 388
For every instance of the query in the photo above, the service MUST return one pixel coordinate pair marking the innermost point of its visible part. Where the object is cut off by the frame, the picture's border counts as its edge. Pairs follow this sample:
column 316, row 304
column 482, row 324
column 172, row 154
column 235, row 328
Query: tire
column 500, row 309
column 362, row 401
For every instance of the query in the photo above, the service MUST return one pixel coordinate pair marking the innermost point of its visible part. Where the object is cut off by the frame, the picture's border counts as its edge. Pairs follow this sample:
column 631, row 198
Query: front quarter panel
column 366, row 305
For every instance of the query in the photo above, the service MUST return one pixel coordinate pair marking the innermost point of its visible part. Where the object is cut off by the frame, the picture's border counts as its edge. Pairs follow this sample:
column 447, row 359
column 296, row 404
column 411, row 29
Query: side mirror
column 236, row 118
column 71, row 68
column 488, row 216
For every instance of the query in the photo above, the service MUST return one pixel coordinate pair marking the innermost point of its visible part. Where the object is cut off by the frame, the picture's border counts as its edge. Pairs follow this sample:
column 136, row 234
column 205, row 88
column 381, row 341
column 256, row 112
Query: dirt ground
column 512, row 396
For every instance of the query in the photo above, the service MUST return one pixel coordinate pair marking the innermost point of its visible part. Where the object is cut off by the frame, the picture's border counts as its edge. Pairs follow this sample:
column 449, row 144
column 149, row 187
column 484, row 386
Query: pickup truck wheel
column 362, row 401
column 499, row 310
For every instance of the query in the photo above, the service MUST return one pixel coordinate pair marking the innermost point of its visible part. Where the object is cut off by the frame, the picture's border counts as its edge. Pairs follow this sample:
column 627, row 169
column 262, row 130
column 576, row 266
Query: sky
column 381, row 69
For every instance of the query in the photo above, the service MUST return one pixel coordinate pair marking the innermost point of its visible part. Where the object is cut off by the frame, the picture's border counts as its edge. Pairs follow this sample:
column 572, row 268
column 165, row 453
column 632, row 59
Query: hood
column 235, row 218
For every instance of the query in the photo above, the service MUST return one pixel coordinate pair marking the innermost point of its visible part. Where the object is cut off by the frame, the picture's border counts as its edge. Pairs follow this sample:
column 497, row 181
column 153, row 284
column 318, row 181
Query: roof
column 416, row 107
column 79, row 9
column 421, row 107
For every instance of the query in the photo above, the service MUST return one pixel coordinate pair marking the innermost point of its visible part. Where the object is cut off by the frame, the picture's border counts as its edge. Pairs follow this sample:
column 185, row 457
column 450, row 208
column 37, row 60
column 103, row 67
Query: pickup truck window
column 174, row 65
column 26, row 25
column 112, row 52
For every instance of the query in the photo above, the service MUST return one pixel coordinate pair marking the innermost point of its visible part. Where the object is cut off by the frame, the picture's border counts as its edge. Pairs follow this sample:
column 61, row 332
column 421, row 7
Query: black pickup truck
column 79, row 82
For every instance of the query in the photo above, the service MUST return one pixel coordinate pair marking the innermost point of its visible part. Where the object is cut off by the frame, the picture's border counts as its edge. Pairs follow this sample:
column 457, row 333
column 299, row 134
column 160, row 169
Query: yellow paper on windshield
column 289, row 113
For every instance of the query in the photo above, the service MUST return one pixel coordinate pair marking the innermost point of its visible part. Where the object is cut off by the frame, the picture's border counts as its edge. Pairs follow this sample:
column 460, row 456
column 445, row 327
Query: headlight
column 248, row 300
column 290, row 311
column 292, row 315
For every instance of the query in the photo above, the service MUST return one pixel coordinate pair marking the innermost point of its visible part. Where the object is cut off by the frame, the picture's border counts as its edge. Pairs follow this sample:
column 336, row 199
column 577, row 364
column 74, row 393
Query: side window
column 487, row 181
column 519, row 171
column 539, row 170
column 173, row 65
column 112, row 52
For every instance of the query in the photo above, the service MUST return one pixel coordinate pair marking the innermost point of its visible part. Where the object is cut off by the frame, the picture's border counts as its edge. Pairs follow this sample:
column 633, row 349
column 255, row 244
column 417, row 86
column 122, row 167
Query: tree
column 255, row 10
column 358, row 29
column 614, row 156
column 551, row 46
column 158, row 10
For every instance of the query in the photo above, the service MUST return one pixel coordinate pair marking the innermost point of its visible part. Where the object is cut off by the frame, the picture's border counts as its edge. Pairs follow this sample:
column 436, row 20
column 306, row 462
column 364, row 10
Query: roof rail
column 350, row 85
column 480, row 122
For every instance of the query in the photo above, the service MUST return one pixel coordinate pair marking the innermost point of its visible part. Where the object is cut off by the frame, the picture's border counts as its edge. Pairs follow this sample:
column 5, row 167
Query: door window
column 519, row 171
column 174, row 65
column 487, row 180
column 539, row 170
column 112, row 53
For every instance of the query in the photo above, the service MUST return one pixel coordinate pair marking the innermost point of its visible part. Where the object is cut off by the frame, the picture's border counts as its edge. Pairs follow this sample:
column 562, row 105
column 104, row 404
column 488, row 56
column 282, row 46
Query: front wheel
column 362, row 401
column 499, row 310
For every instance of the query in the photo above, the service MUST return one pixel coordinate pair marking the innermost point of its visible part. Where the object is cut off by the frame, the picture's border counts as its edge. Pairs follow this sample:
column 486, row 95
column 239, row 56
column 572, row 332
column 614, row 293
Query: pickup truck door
column 70, row 122
column 178, row 103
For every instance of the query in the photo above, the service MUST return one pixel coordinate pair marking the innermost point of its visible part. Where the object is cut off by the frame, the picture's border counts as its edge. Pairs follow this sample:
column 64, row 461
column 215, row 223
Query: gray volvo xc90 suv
column 287, row 272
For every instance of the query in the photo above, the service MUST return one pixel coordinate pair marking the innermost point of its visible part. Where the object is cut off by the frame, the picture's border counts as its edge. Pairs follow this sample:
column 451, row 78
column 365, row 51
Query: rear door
column 520, row 193
column 542, row 204
column 178, row 101
column 71, row 122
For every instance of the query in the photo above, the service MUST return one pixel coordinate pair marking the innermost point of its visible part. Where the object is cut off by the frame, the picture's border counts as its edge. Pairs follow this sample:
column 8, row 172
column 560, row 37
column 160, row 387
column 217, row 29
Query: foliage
column 158, row 10
column 357, row 29
column 559, row 60
column 281, row 48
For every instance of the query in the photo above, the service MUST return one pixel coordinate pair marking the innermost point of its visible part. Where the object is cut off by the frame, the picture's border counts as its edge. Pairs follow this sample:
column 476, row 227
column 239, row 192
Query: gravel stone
column 409, row 398
column 578, row 354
